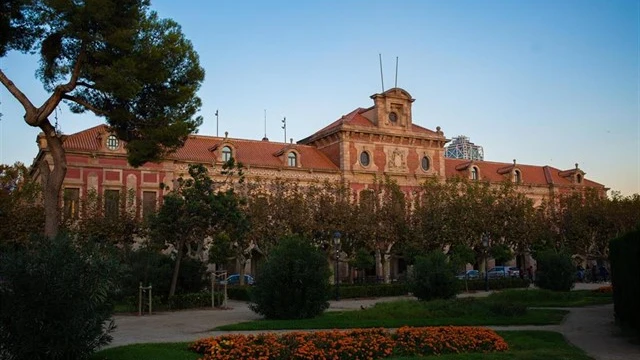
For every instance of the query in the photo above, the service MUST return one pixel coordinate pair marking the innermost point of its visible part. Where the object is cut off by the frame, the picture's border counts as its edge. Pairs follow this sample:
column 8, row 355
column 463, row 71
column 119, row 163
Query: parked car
column 469, row 275
column 503, row 271
column 234, row 279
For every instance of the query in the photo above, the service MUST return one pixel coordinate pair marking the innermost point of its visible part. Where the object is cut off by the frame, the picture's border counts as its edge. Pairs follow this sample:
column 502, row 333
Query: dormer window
column 474, row 173
column 226, row 153
column 292, row 159
column 579, row 178
column 112, row 142
column 517, row 177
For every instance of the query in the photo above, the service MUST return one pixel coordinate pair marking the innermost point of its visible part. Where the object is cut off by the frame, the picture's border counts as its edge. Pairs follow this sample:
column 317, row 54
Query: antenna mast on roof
column 396, row 84
column 381, row 77
column 265, row 138
column 216, row 122
column 284, row 126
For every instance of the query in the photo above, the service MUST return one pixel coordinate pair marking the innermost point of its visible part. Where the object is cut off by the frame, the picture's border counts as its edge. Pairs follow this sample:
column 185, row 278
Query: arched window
column 579, row 179
column 425, row 163
column 474, row 173
column 293, row 160
column 226, row 153
column 517, row 177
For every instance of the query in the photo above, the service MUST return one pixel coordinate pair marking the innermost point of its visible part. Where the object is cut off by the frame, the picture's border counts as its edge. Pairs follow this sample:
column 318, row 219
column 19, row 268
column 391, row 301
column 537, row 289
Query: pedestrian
column 604, row 274
column 594, row 273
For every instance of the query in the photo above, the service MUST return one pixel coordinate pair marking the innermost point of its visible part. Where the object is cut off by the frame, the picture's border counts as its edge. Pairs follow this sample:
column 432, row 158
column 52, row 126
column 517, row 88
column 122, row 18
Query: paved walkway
column 589, row 328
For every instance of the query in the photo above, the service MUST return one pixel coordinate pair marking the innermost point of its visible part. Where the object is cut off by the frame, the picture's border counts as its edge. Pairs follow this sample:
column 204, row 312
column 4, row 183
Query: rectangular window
column 148, row 203
column 71, row 201
column 111, row 203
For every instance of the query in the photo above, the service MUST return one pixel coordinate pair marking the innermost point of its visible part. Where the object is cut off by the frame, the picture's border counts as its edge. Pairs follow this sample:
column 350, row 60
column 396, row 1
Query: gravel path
column 589, row 328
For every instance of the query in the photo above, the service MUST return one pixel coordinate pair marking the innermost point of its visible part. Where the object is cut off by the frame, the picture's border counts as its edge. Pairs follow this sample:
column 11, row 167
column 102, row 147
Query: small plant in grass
column 555, row 271
column 433, row 277
column 294, row 282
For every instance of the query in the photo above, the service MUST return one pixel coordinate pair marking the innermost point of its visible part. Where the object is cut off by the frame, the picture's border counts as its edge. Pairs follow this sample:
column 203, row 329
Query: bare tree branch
column 49, row 106
column 29, row 108
column 86, row 104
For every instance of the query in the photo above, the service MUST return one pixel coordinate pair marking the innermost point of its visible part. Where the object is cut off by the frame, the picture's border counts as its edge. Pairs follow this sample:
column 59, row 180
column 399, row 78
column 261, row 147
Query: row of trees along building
column 237, row 222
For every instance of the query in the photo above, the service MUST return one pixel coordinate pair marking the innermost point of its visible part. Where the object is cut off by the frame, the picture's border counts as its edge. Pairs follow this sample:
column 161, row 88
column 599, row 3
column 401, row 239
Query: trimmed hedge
column 193, row 300
column 351, row 291
column 239, row 292
column 177, row 302
column 624, row 254
column 378, row 290
column 496, row 284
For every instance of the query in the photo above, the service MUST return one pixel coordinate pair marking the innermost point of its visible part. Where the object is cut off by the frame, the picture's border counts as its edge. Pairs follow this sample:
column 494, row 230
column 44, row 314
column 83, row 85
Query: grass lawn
column 523, row 345
column 159, row 351
column 468, row 311
column 547, row 298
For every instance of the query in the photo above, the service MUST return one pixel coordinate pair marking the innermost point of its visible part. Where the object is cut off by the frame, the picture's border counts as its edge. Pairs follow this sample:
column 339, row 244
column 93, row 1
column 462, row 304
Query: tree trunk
column 52, row 179
column 176, row 268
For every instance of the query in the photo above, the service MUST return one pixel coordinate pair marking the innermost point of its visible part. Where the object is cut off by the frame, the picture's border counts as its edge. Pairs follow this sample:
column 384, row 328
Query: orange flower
column 351, row 344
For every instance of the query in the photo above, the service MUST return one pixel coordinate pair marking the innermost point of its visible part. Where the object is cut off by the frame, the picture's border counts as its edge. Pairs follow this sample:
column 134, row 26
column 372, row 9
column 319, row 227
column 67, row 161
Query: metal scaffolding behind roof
column 461, row 148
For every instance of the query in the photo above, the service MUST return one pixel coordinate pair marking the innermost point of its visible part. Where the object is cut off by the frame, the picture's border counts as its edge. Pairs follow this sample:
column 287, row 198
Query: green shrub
column 625, row 278
column 555, row 271
column 56, row 300
column 433, row 277
column 293, row 282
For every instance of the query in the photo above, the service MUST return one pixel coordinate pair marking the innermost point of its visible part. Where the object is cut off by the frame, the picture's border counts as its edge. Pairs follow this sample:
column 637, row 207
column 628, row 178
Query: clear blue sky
column 544, row 82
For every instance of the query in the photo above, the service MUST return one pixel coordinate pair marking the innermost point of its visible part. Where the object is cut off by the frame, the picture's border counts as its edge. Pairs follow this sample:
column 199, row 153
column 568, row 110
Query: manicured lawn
column 160, row 351
column 394, row 314
column 546, row 298
column 523, row 345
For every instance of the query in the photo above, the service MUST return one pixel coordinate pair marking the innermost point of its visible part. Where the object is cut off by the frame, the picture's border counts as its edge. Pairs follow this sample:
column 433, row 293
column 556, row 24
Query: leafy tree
column 433, row 277
column 195, row 209
column 501, row 253
column 95, row 224
column 56, row 299
column 293, row 282
column 113, row 58
column 363, row 260
column 19, row 206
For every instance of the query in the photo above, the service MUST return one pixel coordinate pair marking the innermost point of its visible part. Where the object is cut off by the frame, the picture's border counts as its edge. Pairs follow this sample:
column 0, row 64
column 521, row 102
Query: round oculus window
column 393, row 117
column 364, row 158
column 112, row 142
column 425, row 163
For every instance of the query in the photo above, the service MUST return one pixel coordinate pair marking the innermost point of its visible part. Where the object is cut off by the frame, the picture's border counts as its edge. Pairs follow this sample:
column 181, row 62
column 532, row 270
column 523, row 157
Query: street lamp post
column 336, row 243
column 485, row 243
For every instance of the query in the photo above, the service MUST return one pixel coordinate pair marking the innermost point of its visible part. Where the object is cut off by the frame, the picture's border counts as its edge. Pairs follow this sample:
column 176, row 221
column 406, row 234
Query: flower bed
column 604, row 290
column 351, row 344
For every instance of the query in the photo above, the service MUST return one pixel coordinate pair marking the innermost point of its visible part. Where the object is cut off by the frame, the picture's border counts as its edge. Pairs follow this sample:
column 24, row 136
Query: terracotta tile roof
column 355, row 118
column 531, row 174
column 86, row 140
column 197, row 148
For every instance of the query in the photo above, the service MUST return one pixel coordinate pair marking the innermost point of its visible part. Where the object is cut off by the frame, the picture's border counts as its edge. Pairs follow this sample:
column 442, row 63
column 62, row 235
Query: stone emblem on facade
column 397, row 160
